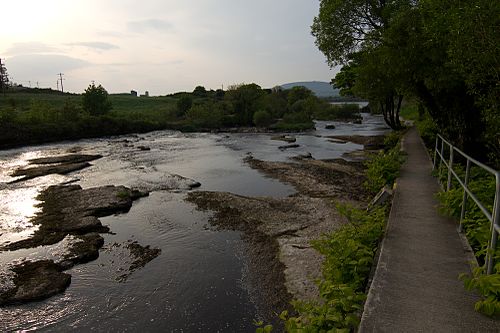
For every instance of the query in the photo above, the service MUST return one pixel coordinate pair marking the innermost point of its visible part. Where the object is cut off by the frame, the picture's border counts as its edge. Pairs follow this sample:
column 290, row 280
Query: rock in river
column 72, row 210
column 62, row 164
column 289, row 146
column 35, row 280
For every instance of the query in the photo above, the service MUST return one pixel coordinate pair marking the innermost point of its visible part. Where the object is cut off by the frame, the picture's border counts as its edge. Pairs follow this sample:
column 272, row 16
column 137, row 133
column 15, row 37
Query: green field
column 44, row 116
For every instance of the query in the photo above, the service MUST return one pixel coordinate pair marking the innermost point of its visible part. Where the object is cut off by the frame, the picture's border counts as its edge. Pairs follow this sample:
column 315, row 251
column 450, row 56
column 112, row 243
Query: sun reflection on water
column 17, row 207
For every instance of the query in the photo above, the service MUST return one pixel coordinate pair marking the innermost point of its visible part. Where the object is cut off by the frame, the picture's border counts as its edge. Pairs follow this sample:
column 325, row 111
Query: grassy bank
column 30, row 118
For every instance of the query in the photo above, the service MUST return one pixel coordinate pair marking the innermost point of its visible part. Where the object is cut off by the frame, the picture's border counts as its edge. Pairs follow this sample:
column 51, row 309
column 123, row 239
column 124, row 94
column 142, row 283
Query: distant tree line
column 442, row 54
column 42, row 115
column 248, row 105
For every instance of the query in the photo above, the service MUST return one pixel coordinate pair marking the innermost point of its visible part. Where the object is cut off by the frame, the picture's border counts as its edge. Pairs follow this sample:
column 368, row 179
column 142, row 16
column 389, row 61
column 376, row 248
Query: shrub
column 205, row 116
column 295, row 122
column 428, row 130
column 262, row 118
column 339, row 112
column 183, row 105
column 383, row 169
column 95, row 100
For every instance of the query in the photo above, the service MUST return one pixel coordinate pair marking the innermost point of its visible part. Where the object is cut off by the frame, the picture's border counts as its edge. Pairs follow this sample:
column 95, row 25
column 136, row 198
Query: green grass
column 42, row 116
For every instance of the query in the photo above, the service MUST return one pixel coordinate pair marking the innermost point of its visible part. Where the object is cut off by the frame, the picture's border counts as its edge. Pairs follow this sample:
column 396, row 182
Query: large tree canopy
column 443, row 53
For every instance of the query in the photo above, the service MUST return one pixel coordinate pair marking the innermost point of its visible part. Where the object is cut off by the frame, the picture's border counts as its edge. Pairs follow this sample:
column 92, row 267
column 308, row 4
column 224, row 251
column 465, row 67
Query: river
column 198, row 282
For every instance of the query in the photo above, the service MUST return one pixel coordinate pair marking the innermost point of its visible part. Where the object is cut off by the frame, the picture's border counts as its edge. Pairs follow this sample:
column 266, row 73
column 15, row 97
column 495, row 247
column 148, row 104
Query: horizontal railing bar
column 487, row 168
column 476, row 200
column 493, row 217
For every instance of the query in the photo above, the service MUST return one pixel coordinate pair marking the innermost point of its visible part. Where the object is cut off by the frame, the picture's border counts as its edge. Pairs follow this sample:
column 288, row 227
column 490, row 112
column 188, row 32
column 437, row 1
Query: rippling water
column 198, row 282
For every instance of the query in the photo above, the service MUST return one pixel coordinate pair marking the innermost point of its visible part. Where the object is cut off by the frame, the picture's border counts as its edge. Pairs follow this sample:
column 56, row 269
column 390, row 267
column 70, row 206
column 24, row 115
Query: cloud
column 41, row 66
column 100, row 46
column 142, row 26
column 30, row 48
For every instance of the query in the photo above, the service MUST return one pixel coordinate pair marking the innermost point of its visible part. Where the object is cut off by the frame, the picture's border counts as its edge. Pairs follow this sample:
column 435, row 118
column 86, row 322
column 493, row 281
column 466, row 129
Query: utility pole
column 37, row 86
column 61, row 78
column 4, row 79
column 57, row 85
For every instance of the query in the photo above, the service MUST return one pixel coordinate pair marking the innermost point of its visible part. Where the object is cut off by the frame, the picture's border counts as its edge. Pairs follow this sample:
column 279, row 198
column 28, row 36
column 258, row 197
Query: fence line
column 494, row 216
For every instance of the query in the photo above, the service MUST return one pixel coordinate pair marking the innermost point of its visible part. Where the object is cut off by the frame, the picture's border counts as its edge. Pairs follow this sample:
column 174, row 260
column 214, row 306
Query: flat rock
column 44, row 170
column 289, row 146
column 70, row 158
column 35, row 280
column 85, row 248
column 317, row 178
column 61, row 164
column 286, row 138
column 72, row 210
column 369, row 142
column 337, row 141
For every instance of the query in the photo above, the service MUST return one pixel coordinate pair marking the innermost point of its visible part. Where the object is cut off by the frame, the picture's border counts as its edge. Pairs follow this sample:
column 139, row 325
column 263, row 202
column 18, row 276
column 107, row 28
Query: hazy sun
column 27, row 19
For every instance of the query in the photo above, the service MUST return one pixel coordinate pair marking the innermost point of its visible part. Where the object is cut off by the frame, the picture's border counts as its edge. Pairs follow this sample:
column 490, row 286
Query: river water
column 198, row 282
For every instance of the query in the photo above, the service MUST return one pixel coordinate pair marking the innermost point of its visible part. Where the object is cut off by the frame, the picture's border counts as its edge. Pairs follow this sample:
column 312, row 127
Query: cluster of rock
column 68, row 212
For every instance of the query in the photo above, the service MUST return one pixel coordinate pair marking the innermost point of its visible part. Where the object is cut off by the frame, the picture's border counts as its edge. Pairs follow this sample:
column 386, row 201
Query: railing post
column 435, row 154
column 464, row 199
column 450, row 167
column 490, row 260
column 441, row 159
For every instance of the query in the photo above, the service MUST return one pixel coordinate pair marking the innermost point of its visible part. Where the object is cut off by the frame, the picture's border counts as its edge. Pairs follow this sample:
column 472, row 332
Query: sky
column 162, row 46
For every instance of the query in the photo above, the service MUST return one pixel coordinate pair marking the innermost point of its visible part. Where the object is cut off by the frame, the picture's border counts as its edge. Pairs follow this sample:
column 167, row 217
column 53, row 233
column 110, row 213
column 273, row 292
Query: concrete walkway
column 416, row 286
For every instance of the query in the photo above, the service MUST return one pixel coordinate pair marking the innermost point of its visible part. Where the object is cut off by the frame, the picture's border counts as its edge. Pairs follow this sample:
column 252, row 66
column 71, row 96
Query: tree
column 183, row 104
column 245, row 99
column 350, row 32
column 95, row 100
column 205, row 115
column 298, row 93
column 200, row 91
column 343, row 27
column 262, row 118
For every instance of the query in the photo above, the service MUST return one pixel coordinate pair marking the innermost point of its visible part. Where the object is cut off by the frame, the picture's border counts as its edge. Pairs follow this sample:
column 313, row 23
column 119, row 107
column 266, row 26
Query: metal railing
column 493, row 216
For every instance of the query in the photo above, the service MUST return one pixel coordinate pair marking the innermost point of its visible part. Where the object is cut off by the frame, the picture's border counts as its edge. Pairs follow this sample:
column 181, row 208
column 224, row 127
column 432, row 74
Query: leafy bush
column 95, row 100
column 391, row 140
column 339, row 112
column 183, row 105
column 383, row 169
column 428, row 130
column 205, row 116
column 262, row 118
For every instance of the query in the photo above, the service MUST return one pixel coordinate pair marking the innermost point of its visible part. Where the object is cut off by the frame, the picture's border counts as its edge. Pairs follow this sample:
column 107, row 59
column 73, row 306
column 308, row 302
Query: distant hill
column 320, row 89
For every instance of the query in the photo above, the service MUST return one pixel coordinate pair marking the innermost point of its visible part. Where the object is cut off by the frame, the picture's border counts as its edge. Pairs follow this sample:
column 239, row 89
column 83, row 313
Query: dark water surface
column 198, row 282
